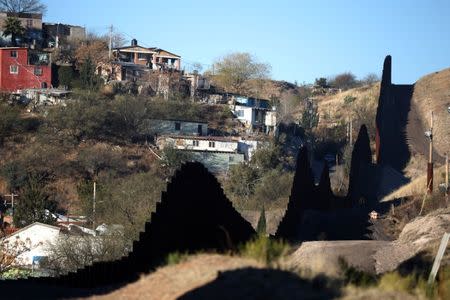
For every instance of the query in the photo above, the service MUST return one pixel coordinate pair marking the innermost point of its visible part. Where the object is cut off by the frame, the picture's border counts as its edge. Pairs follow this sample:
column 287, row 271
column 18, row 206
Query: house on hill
column 153, row 57
column 176, row 127
column 217, row 153
column 27, row 246
column 247, row 147
column 22, row 68
column 32, row 22
column 56, row 33
column 255, row 114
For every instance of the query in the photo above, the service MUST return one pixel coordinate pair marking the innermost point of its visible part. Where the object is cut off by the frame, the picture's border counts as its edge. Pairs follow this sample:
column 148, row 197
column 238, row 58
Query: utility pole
column 110, row 41
column 430, row 159
column 93, row 206
column 350, row 130
column 446, row 175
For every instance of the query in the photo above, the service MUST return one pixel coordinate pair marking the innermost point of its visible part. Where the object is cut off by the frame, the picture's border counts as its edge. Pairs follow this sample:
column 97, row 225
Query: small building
column 153, row 57
column 55, row 34
column 255, row 114
column 121, row 71
column 198, row 83
column 176, row 127
column 21, row 68
column 211, row 144
column 207, row 143
column 32, row 22
column 28, row 245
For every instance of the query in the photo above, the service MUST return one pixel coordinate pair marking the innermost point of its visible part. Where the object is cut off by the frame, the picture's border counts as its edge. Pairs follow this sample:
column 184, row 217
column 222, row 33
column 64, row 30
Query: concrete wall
column 217, row 162
column 248, row 147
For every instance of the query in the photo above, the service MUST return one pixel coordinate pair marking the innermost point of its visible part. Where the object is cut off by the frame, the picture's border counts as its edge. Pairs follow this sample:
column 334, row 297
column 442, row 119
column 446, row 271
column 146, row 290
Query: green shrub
column 261, row 226
column 349, row 99
column 356, row 277
column 265, row 249
column 176, row 258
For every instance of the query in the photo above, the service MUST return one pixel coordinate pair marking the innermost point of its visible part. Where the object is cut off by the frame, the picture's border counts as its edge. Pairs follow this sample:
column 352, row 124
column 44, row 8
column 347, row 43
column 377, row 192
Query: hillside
column 431, row 93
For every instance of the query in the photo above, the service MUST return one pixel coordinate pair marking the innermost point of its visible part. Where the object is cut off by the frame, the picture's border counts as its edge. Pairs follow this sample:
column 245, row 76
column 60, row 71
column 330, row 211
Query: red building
column 21, row 68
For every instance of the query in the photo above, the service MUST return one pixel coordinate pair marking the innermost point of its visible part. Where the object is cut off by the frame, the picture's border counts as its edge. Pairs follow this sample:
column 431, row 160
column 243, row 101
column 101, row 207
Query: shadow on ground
column 252, row 283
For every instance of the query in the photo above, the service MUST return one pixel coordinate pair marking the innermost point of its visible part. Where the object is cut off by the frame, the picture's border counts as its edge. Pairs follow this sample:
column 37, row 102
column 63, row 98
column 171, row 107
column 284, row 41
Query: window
column 14, row 54
column 195, row 143
column 240, row 113
column 230, row 159
column 38, row 71
column 13, row 69
column 142, row 56
column 29, row 23
column 177, row 126
column 212, row 144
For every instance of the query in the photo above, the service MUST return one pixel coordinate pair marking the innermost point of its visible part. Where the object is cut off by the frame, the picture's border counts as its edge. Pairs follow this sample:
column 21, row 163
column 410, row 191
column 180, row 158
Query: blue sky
column 301, row 40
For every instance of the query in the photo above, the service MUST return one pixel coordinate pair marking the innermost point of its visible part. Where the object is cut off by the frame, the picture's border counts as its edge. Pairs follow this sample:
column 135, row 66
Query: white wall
column 203, row 145
column 271, row 118
column 248, row 147
column 36, row 238
column 248, row 116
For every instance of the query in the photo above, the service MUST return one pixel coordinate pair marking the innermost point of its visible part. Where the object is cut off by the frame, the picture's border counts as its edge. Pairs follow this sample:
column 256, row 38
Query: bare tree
column 23, row 6
column 371, row 78
column 235, row 69
column 71, row 252
column 344, row 81
column 10, row 254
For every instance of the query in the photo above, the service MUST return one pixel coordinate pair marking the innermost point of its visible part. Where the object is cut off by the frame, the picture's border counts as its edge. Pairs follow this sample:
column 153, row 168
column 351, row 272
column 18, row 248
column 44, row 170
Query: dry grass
column 416, row 187
column 331, row 106
column 172, row 281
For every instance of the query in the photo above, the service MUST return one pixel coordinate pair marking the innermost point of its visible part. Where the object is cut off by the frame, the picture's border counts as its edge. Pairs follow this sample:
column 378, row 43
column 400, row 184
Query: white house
column 29, row 244
column 206, row 143
column 255, row 114
column 210, row 143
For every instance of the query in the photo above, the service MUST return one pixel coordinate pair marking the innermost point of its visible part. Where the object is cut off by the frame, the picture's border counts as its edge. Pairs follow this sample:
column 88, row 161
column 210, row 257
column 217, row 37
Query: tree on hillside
column 261, row 226
column 95, row 49
column 9, row 119
column 23, row 6
column 233, row 70
column 13, row 28
column 322, row 82
column 33, row 203
column 344, row 81
column 371, row 78
column 310, row 116
column 87, row 74
column 66, row 76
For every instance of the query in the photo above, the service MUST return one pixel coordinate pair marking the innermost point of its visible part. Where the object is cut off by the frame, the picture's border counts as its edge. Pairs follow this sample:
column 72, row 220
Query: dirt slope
column 173, row 281
column 432, row 93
